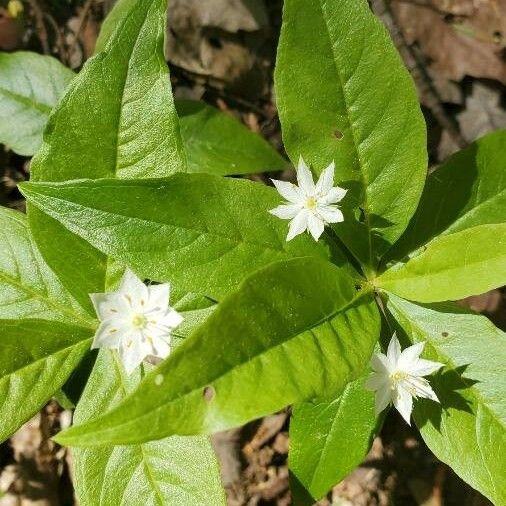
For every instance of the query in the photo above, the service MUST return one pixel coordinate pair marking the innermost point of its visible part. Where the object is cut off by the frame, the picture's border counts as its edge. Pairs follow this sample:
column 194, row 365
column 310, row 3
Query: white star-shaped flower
column 310, row 206
column 398, row 377
column 136, row 320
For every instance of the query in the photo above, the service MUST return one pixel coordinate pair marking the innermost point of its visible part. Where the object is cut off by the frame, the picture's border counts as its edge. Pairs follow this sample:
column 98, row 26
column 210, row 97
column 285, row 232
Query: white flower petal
column 132, row 353
column 330, row 214
column 381, row 364
column 137, row 320
column 315, row 225
column 298, row 225
column 133, row 290
column 108, row 305
column 172, row 319
column 289, row 191
column 424, row 367
column 403, row 403
column 422, row 388
column 410, row 355
column 286, row 212
column 382, row 399
column 160, row 348
column 376, row 381
column 334, row 196
column 102, row 303
column 108, row 335
column 394, row 350
column 305, row 178
column 158, row 296
column 326, row 180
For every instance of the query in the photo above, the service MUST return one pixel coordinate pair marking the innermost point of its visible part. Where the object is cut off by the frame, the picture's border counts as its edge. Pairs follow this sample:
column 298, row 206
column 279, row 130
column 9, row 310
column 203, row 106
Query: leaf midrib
column 44, row 358
column 476, row 393
column 473, row 210
column 473, row 392
column 88, row 324
column 435, row 273
column 150, row 411
column 27, row 101
column 127, row 72
column 326, row 443
column 234, row 240
column 350, row 120
column 145, row 461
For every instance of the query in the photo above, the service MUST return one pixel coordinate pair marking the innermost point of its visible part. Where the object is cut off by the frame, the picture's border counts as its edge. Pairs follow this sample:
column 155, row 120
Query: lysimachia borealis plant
column 214, row 301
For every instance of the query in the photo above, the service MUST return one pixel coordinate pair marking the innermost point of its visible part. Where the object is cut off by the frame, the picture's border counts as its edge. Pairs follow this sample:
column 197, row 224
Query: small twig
column 58, row 36
column 194, row 77
column 82, row 22
column 40, row 26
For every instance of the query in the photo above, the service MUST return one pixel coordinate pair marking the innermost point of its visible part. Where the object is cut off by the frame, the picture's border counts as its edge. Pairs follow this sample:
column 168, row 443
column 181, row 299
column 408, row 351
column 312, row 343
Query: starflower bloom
column 398, row 377
column 136, row 320
column 309, row 206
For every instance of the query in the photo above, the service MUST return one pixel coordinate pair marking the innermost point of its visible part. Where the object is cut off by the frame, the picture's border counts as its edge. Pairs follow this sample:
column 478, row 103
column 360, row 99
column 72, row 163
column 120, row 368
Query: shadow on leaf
column 451, row 388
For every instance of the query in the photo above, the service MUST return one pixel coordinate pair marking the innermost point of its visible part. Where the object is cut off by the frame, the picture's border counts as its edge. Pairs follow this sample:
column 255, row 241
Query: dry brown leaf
column 458, row 42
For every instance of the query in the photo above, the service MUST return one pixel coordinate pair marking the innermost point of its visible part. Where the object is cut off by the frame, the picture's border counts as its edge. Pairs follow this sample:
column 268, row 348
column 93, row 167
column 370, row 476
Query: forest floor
column 223, row 52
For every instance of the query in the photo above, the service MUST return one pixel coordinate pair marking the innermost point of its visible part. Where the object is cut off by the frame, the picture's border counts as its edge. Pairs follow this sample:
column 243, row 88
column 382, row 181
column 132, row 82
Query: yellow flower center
column 139, row 321
column 311, row 203
column 398, row 376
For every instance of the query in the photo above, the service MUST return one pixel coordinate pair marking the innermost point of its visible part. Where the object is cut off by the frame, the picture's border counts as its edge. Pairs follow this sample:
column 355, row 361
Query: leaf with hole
column 468, row 429
column 343, row 94
column 174, row 470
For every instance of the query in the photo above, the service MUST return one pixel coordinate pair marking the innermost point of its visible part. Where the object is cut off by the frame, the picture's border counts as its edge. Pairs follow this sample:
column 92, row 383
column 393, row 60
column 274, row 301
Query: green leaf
column 116, row 119
column 343, row 94
column 202, row 233
column 36, row 357
column 37, row 351
column 28, row 288
column 329, row 438
column 171, row 471
column 452, row 266
column 468, row 190
column 30, row 86
column 468, row 430
column 218, row 144
column 251, row 357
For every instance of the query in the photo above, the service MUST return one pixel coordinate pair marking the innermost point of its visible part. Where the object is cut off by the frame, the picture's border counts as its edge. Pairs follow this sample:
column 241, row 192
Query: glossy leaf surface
column 203, row 233
column 468, row 190
column 28, row 288
column 30, row 86
column 117, row 119
column 452, row 266
column 217, row 143
column 468, row 429
column 343, row 94
column 172, row 471
column 36, row 358
column 251, row 357
column 329, row 438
